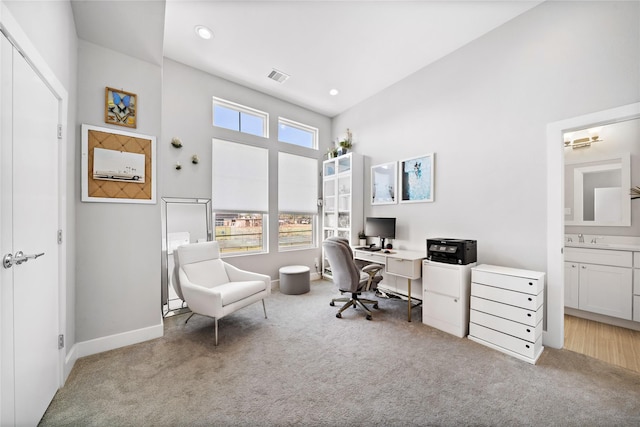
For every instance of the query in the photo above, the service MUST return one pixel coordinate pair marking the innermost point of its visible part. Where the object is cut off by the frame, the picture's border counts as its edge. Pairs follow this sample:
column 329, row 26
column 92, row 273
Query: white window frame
column 240, row 109
column 301, row 126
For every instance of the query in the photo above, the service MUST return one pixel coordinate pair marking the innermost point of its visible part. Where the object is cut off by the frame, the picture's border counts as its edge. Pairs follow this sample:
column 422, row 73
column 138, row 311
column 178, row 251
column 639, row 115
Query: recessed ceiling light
column 333, row 92
column 203, row 32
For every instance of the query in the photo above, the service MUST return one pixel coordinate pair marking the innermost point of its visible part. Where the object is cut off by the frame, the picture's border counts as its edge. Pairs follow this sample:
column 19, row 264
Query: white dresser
column 445, row 302
column 507, row 308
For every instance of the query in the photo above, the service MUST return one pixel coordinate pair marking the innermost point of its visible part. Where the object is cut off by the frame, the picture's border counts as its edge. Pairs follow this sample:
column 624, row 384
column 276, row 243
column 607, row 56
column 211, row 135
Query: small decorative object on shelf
column 175, row 141
column 178, row 166
column 194, row 159
column 635, row 192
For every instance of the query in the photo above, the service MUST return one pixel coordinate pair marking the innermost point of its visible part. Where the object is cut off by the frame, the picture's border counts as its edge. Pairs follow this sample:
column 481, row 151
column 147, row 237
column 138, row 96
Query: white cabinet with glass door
column 343, row 197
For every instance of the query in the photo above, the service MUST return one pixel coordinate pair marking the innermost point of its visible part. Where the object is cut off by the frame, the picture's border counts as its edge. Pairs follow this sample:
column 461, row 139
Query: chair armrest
column 200, row 300
column 237, row 275
column 372, row 268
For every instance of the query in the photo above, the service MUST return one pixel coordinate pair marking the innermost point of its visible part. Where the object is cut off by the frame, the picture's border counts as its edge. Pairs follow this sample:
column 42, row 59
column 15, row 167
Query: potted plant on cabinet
column 346, row 143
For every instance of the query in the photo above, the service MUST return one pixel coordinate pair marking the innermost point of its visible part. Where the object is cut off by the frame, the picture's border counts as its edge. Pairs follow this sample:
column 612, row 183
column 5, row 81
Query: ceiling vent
column 278, row 76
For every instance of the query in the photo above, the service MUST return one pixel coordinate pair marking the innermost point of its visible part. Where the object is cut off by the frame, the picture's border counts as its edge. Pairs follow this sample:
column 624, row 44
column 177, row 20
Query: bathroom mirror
column 597, row 192
column 183, row 221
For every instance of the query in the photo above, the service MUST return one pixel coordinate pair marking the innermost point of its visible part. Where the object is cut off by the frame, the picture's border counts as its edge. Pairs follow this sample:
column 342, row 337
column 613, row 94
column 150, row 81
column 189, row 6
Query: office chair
column 348, row 277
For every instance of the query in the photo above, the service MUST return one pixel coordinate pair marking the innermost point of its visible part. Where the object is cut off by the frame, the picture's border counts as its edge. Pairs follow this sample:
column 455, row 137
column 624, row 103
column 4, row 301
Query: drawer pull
column 527, row 345
column 528, row 330
column 528, row 314
column 530, row 283
column 530, row 299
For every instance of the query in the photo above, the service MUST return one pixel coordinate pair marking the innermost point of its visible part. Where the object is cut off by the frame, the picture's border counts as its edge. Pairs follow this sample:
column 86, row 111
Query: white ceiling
column 357, row 47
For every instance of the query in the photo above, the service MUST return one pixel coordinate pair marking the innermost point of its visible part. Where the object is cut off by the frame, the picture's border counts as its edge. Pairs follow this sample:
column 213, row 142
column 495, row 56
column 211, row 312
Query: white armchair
column 213, row 288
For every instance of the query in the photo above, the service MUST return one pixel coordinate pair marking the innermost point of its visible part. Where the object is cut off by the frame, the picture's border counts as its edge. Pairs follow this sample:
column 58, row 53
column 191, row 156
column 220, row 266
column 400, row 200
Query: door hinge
column 60, row 341
column 59, row 131
column 59, row 237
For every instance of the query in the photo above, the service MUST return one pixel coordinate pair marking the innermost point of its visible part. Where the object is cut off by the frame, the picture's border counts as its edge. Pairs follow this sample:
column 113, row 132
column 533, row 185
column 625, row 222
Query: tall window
column 229, row 115
column 297, row 201
column 297, row 133
column 240, row 196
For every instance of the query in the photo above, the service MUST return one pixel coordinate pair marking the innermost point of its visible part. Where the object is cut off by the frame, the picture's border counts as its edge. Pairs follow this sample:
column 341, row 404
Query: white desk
column 400, row 263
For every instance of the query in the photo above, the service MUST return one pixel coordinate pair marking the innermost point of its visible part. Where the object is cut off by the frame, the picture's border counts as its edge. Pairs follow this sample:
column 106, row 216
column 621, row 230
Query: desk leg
column 409, row 300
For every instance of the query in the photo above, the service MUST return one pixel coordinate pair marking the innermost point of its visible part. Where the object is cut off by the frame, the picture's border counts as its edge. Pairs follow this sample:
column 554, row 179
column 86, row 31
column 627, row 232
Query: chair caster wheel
column 339, row 316
column 368, row 317
column 375, row 306
column 332, row 304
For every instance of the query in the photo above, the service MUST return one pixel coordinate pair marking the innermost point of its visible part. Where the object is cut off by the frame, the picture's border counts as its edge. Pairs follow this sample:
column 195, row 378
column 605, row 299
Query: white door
column 29, row 223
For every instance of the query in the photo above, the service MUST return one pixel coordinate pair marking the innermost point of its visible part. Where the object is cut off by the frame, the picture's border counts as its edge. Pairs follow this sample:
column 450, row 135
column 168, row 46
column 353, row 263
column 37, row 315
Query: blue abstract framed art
column 416, row 179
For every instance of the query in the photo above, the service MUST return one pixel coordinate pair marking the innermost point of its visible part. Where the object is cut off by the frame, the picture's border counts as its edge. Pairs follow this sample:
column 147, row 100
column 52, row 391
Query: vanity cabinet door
column 606, row 290
column 571, row 282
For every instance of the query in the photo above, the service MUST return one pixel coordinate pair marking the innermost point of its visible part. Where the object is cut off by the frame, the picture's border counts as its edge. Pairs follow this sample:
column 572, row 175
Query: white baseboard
column 111, row 342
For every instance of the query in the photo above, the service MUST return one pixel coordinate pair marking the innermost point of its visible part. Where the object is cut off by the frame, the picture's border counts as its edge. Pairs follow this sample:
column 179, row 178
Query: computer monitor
column 384, row 228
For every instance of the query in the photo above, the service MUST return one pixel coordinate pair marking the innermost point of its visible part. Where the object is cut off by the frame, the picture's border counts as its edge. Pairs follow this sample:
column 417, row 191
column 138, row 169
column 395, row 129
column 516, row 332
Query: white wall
column 187, row 114
column 50, row 28
column 118, row 245
column 484, row 110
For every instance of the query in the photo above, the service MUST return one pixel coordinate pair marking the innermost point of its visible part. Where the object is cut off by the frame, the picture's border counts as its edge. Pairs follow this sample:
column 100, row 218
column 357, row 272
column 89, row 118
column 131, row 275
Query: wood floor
column 611, row 344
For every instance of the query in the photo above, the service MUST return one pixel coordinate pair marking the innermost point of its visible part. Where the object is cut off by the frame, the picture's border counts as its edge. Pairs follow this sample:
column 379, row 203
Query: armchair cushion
column 235, row 291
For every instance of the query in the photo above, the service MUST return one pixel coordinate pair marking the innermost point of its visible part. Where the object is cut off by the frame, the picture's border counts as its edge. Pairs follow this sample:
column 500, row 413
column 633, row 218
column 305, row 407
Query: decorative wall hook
column 178, row 166
column 175, row 141
column 194, row 159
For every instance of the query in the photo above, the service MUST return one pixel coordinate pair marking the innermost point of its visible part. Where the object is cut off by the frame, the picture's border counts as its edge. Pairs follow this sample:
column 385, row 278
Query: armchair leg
column 216, row 329
column 264, row 308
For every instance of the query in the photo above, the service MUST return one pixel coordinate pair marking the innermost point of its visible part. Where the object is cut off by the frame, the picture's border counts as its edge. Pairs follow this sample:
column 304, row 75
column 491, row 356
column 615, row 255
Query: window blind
column 240, row 177
column 297, row 184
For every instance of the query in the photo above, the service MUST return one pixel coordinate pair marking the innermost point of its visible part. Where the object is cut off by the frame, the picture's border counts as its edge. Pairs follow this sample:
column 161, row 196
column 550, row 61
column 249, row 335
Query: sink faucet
column 580, row 238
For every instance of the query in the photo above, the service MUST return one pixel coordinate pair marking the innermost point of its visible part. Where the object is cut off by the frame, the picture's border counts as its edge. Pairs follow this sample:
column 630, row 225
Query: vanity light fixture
column 583, row 141
column 203, row 32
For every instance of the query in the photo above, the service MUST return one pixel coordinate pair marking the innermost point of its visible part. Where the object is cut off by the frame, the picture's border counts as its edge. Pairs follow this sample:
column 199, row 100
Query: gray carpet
column 303, row 366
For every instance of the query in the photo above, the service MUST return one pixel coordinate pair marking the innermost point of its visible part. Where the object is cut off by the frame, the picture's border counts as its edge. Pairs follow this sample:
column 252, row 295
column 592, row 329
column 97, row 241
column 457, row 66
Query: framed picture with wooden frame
column 117, row 166
column 120, row 107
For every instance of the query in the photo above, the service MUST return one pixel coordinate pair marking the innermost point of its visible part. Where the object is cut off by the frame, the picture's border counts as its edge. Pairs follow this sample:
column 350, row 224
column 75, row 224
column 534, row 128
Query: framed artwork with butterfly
column 120, row 107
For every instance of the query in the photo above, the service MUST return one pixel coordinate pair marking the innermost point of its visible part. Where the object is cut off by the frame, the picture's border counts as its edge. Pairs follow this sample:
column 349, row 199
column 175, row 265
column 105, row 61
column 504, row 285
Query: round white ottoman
column 294, row 279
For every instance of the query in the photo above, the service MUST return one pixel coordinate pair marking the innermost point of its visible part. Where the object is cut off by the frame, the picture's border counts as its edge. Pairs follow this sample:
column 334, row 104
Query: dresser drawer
column 516, row 345
column 518, row 299
column 636, row 281
column 517, row 314
column 636, row 259
column 404, row 267
column 515, row 283
column 371, row 257
column 518, row 330
column 636, row 308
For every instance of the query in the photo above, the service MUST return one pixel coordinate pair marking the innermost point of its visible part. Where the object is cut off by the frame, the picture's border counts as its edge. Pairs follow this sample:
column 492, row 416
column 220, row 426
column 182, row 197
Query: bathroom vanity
column 604, row 279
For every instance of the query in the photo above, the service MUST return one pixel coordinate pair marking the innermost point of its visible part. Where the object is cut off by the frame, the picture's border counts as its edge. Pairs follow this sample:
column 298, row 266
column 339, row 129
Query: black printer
column 452, row 251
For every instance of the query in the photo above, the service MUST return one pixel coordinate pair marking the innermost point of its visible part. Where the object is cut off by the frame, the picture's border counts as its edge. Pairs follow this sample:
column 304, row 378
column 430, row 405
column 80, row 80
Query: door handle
column 9, row 260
